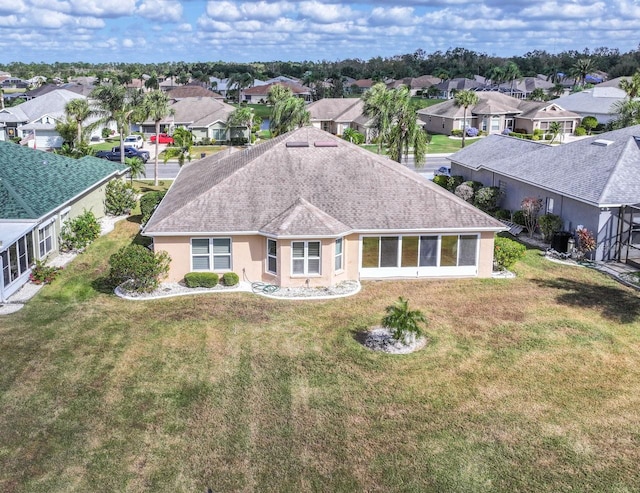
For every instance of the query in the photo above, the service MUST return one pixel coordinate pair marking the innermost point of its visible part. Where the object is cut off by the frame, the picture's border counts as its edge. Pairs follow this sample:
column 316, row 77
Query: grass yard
column 442, row 144
column 529, row 385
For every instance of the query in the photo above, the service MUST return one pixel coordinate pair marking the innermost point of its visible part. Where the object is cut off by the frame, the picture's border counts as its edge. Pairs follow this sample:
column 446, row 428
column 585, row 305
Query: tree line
column 455, row 62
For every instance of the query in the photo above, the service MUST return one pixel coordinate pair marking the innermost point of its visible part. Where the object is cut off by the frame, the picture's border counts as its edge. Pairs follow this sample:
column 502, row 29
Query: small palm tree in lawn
column 136, row 168
column 378, row 105
column 465, row 98
column 405, row 132
column 156, row 107
column 110, row 105
column 239, row 118
column 182, row 142
column 405, row 323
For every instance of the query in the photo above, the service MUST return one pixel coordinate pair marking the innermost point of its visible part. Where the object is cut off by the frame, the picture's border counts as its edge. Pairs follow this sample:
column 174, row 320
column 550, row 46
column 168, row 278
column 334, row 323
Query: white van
column 134, row 141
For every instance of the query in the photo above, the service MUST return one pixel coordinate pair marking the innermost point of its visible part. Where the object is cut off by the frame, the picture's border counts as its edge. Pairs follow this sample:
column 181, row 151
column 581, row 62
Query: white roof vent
column 602, row 142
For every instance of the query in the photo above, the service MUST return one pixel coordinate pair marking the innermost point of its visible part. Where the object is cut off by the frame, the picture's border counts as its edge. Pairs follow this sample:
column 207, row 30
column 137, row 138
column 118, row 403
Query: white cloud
column 160, row 10
column 224, row 11
column 265, row 10
column 395, row 16
column 326, row 14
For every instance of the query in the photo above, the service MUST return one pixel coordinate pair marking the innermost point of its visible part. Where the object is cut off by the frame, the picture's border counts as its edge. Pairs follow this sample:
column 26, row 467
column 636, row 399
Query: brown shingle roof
column 198, row 112
column 189, row 91
column 325, row 189
column 264, row 90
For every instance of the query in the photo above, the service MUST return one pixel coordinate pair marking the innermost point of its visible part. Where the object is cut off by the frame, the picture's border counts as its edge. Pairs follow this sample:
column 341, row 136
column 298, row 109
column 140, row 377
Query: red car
column 162, row 139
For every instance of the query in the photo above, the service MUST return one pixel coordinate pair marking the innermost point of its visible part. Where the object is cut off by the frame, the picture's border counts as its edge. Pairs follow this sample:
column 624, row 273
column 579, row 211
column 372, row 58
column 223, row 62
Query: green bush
column 79, row 232
column 148, row 203
column 535, row 137
column 119, row 198
column 538, row 131
column 465, row 191
column 42, row 273
column 518, row 218
column 441, row 180
column 201, row 279
column 549, row 224
column 503, row 214
column 139, row 267
column 106, row 133
column 580, row 132
column 230, row 279
column 548, row 136
column 507, row 252
column 456, row 133
column 453, row 182
column 487, row 198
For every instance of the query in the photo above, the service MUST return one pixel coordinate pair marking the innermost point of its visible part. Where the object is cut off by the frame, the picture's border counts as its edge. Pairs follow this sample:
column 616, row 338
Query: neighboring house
column 259, row 94
column 496, row 112
column 310, row 209
column 38, row 117
column 449, row 87
column 520, row 88
column 599, row 101
column 221, row 86
column 39, row 191
column 361, row 86
column 593, row 182
column 192, row 91
column 335, row 115
column 168, row 84
column 205, row 117
column 415, row 84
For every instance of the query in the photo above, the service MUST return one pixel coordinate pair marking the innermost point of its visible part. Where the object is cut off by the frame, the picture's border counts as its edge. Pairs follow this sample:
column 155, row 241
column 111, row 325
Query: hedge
column 201, row 279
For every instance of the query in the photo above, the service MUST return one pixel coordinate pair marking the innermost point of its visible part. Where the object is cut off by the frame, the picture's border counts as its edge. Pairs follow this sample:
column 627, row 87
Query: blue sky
column 245, row 31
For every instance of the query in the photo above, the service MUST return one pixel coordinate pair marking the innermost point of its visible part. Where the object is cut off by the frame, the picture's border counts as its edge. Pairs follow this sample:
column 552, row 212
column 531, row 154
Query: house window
column 272, row 259
column 45, row 235
column 549, row 205
column 339, row 255
column 211, row 254
column 219, row 134
column 495, row 123
column 305, row 257
column 419, row 251
column 17, row 259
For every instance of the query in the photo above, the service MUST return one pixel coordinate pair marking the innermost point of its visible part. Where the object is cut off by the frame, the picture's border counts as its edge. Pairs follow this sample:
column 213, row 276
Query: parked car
column 162, row 139
column 134, row 141
column 114, row 154
column 442, row 171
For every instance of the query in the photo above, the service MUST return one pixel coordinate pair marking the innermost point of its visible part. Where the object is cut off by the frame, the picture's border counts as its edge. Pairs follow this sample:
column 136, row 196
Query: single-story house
column 310, row 209
column 496, row 112
column 38, row 117
column 335, row 115
column 205, row 117
column 39, row 191
column 192, row 91
column 593, row 182
column 449, row 87
column 257, row 94
column 415, row 84
column 520, row 88
column 598, row 101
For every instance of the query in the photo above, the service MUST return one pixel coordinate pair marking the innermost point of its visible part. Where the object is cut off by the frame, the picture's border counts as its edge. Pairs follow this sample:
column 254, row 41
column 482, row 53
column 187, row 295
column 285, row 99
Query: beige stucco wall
column 485, row 260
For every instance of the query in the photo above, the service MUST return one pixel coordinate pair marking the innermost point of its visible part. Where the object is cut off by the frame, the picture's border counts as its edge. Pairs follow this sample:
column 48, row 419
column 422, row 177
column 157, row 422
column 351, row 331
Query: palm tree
column 240, row 81
column 78, row 110
column 538, row 94
column 405, row 132
column 631, row 86
column 628, row 111
column 156, row 107
column 136, row 168
column 496, row 75
column 110, row 105
column 465, row 98
column 240, row 117
column 511, row 74
column 277, row 93
column 405, row 323
column 288, row 114
column 556, row 129
column 378, row 105
column 152, row 82
column 182, row 142
column 581, row 68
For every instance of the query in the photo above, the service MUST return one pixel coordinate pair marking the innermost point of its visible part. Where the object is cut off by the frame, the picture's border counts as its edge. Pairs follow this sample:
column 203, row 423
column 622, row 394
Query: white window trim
column 306, row 259
column 42, row 240
column 275, row 257
column 420, row 271
column 211, row 255
column 341, row 254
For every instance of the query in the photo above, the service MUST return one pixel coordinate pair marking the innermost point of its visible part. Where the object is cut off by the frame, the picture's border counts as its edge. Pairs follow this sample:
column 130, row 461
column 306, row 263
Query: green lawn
column 529, row 385
column 107, row 145
column 440, row 144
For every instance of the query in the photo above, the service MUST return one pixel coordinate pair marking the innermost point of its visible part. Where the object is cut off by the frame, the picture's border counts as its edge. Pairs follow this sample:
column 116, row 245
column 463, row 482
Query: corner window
column 272, row 259
column 211, row 254
column 339, row 255
column 305, row 257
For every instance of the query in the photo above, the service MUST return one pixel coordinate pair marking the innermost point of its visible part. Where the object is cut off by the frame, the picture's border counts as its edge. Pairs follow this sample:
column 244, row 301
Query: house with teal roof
column 39, row 191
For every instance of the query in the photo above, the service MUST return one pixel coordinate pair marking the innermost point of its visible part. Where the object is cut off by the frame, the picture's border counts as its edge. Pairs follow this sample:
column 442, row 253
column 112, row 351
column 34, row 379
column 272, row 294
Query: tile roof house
column 39, row 116
column 192, row 91
column 308, row 208
column 496, row 112
column 594, row 182
column 335, row 115
column 449, row 87
column 38, row 192
column 205, row 117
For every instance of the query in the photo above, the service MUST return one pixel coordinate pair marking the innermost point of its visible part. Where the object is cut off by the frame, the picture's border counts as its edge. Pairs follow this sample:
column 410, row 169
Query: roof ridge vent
column 297, row 144
column 602, row 142
column 325, row 143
